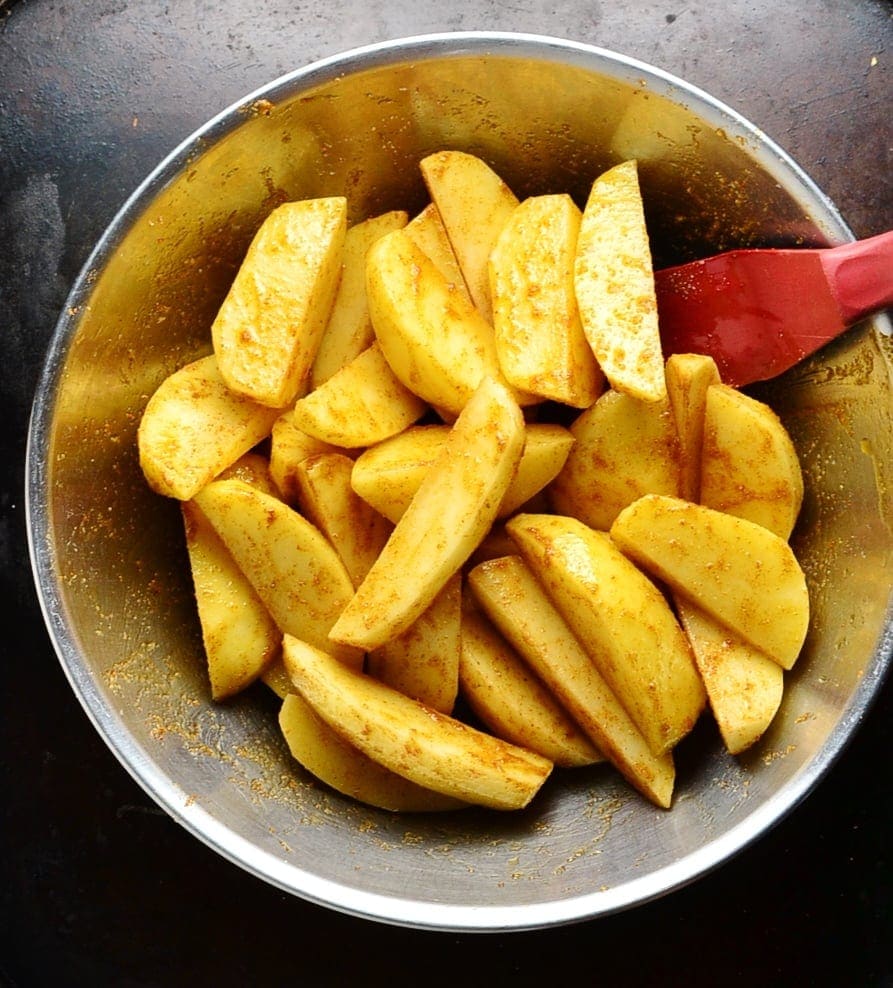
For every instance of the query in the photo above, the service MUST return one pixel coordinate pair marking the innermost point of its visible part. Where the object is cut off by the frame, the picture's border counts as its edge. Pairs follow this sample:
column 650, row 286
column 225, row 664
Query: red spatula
column 758, row 312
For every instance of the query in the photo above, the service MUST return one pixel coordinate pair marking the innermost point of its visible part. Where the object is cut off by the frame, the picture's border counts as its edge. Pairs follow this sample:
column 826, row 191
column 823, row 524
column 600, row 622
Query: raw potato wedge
column 355, row 529
column 614, row 282
column 289, row 447
column 427, row 231
column 388, row 474
column 474, row 204
column 325, row 754
column 516, row 603
column 268, row 329
column 736, row 570
column 448, row 517
column 291, row 565
column 539, row 338
column 623, row 448
column 193, row 427
column 749, row 466
column 349, row 331
column 428, row 748
column 254, row 469
column 423, row 661
column 689, row 375
column 435, row 341
column 743, row 685
column 621, row 619
column 361, row 404
column 512, row 702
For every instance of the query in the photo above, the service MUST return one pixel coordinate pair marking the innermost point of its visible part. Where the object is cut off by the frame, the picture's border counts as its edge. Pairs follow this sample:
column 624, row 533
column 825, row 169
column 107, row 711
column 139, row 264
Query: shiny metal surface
column 109, row 558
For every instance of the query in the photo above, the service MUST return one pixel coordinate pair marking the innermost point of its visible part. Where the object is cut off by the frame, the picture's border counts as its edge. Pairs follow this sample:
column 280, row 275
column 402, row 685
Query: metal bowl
column 109, row 557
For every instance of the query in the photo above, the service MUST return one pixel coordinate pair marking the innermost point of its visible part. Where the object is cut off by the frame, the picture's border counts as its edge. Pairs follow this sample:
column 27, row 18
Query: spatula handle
column 861, row 275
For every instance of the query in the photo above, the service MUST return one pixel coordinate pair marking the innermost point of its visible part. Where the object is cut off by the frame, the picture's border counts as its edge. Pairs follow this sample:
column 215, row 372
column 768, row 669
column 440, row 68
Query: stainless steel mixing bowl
column 109, row 557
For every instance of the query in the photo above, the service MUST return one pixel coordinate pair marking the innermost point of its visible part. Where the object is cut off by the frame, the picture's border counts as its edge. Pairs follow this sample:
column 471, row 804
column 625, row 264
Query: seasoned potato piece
column 513, row 598
column 749, row 466
column 325, row 754
column 744, row 686
column 689, row 375
column 614, row 282
column 539, row 338
column 428, row 748
column 427, row 231
column 289, row 447
column 739, row 572
column 446, row 520
column 621, row 619
column 388, row 474
column 474, row 204
column 623, row 448
column 423, row 661
column 513, row 703
column 291, row 565
column 349, row 331
column 267, row 331
column 193, row 427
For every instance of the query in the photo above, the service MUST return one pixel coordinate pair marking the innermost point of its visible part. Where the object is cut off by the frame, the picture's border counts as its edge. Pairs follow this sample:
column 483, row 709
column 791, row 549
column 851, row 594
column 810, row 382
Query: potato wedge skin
column 621, row 619
column 539, row 338
column 749, row 466
column 614, row 283
column 325, row 754
column 689, row 375
column 446, row 520
column 193, row 427
column 429, row 748
column 739, row 572
column 511, row 595
column 514, row 704
column 623, row 448
column 290, row 564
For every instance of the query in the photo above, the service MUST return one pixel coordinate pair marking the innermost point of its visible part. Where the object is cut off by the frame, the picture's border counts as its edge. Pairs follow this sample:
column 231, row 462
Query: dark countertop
column 98, row 886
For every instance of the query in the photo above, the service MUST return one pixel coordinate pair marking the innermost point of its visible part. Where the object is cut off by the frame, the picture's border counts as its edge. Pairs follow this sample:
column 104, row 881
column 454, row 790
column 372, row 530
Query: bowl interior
column 109, row 555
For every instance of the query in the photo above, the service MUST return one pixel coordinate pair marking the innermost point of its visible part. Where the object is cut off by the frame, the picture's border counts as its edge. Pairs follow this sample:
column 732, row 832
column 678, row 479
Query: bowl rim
column 139, row 763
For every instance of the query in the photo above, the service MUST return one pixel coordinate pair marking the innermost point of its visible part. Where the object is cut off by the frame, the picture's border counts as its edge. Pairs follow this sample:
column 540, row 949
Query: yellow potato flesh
column 290, row 564
column 511, row 595
column 689, row 375
column 450, row 514
column 614, row 283
column 325, row 754
column 621, row 619
column 427, row 231
column 193, row 427
column 749, row 466
column 268, row 329
column 736, row 570
column 428, row 748
column 289, row 447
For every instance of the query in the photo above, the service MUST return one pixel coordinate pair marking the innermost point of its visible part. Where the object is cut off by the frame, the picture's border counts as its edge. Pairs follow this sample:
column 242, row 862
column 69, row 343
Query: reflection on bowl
column 109, row 556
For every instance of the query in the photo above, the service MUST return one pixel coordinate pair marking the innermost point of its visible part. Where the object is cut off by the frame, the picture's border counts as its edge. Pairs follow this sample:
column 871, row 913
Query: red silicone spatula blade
column 759, row 312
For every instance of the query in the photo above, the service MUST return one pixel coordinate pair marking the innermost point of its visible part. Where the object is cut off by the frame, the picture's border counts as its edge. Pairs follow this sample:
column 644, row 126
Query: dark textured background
column 97, row 886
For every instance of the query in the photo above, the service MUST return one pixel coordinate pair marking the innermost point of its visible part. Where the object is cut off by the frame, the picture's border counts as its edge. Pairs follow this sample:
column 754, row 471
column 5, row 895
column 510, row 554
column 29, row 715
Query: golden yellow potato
column 744, row 686
column 325, row 754
column 427, row 231
column 739, row 572
column 428, row 748
column 348, row 331
column 359, row 405
column 512, row 702
column 289, row 562
column 614, row 282
column 446, row 520
column 423, row 661
column 689, row 375
column 267, row 331
column 623, row 448
column 474, row 204
column 289, row 447
column 539, row 338
column 254, row 469
column 193, row 427
column 622, row 620
column 749, row 466
column 514, row 600
column 388, row 474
